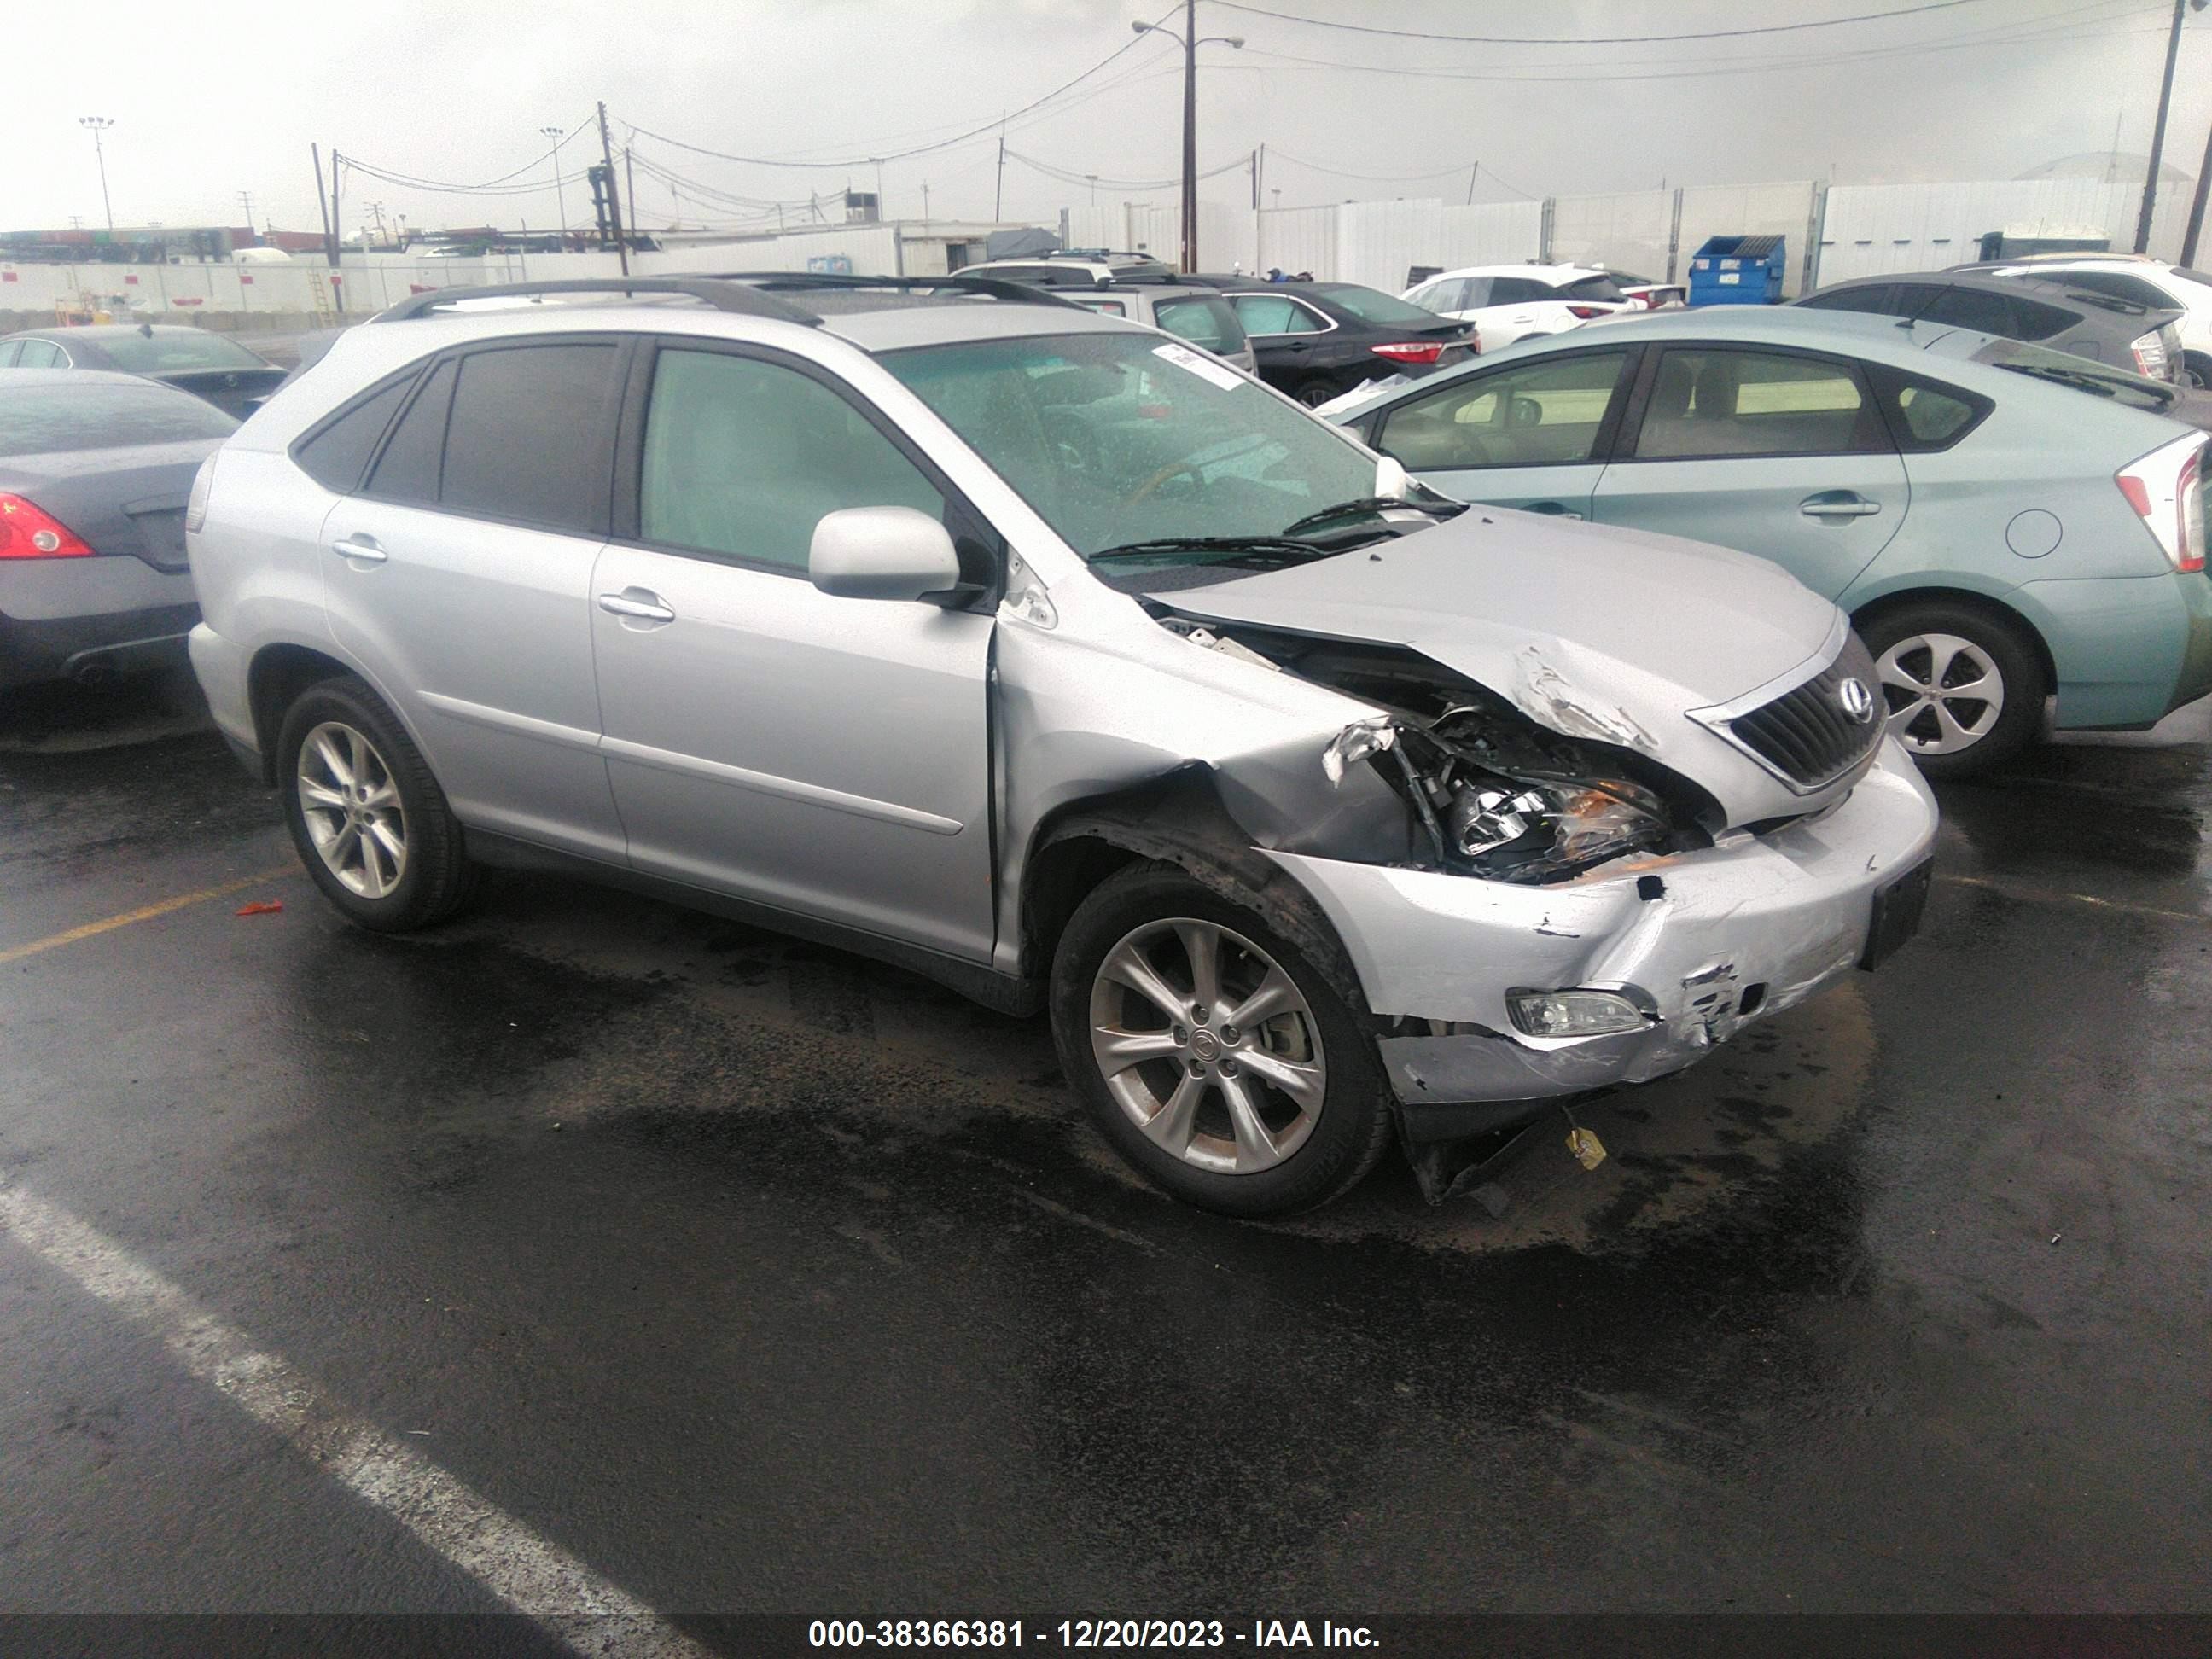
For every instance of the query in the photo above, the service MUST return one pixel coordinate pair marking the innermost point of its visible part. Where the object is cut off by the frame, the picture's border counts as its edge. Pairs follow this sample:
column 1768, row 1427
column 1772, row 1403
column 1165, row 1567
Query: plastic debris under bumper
column 1706, row 940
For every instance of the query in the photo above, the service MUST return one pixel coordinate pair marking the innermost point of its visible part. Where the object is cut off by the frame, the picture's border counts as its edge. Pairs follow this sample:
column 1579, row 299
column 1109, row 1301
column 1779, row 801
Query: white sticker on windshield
column 1204, row 366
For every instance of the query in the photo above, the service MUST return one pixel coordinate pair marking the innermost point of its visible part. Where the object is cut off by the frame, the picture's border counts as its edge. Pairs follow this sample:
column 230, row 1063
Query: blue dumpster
column 1738, row 270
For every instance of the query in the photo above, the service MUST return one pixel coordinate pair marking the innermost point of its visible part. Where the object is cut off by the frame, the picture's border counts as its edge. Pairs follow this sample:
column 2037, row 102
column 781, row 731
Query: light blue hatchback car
column 2002, row 523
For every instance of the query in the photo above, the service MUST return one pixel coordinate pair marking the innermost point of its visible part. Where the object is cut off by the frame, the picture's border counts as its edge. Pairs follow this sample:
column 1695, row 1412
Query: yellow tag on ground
column 1589, row 1149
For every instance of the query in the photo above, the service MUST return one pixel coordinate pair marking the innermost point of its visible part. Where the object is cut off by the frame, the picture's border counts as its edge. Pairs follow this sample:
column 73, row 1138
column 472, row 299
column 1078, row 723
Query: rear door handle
column 360, row 546
column 637, row 605
column 1837, row 504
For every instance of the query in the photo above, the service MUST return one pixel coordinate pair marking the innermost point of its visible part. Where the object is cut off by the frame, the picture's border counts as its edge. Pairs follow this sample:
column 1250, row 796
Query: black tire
column 2196, row 369
column 2004, row 646
column 1332, row 1147
column 434, row 879
column 1315, row 393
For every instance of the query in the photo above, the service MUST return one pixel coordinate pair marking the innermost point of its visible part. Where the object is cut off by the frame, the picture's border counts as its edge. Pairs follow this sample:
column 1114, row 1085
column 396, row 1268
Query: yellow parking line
column 2033, row 894
column 144, row 913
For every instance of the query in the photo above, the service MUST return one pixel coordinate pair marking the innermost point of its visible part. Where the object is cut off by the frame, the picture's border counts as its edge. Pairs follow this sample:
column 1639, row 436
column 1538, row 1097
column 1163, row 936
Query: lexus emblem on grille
column 1855, row 701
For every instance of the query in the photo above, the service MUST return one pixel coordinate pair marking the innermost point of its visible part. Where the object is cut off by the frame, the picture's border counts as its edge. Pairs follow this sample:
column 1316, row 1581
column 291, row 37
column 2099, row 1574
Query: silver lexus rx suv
column 1034, row 650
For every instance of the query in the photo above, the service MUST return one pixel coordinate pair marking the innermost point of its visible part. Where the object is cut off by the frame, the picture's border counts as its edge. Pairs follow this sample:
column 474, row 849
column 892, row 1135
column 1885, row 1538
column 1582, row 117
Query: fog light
column 1573, row 1013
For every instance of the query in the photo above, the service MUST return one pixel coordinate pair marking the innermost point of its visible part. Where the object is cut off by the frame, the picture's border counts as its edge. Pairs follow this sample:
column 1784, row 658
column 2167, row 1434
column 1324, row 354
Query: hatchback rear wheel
column 1210, row 1051
column 1963, row 689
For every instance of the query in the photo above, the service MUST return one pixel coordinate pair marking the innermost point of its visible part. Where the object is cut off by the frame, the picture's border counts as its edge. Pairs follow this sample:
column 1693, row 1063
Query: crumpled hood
column 1600, row 632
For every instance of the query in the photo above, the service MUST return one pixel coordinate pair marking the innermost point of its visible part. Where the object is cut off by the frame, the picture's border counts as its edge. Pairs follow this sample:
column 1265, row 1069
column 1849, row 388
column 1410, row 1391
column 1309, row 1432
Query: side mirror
column 882, row 553
column 1390, row 478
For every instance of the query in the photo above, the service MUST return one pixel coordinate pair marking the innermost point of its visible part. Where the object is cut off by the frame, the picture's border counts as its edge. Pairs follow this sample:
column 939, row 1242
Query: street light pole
column 2157, row 126
column 97, row 124
column 559, row 195
column 1190, row 41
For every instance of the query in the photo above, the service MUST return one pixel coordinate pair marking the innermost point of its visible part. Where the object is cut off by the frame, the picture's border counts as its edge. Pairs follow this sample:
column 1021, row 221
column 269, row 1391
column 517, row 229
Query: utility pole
column 1190, row 42
column 246, row 203
column 376, row 212
column 925, row 204
column 1474, row 167
column 322, row 207
column 2197, row 207
column 338, row 225
column 2157, row 126
column 613, row 203
column 560, row 196
column 97, row 126
column 999, row 199
column 629, row 185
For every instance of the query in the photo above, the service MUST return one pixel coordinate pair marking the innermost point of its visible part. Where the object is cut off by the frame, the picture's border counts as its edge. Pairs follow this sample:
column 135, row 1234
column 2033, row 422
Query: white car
column 1507, row 303
column 2151, row 282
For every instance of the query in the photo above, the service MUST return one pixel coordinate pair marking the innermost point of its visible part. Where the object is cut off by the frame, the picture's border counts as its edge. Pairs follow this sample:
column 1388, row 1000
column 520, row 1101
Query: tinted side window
column 334, row 457
column 1518, row 291
column 41, row 354
column 1206, row 323
column 743, row 458
column 530, row 436
column 1713, row 404
column 1923, row 416
column 1975, row 308
column 408, row 469
column 2034, row 320
column 1534, row 414
column 1272, row 313
column 1878, row 299
column 8, row 350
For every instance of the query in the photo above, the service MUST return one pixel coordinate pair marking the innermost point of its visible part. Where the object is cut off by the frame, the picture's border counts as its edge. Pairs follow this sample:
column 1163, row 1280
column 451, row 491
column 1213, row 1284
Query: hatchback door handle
column 359, row 546
column 637, row 604
column 1837, row 504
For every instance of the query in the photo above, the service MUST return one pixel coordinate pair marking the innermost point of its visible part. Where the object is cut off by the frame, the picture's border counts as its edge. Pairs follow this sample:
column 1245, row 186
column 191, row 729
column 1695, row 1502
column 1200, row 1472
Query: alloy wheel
column 352, row 810
column 1945, row 693
column 1207, row 1045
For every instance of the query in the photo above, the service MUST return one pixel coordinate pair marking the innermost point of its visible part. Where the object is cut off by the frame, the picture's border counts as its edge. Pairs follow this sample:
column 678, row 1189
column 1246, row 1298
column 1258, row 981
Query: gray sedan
column 95, row 472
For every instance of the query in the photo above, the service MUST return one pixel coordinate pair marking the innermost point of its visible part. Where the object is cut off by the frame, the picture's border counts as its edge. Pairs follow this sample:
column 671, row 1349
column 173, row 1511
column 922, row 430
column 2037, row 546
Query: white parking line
column 531, row 1575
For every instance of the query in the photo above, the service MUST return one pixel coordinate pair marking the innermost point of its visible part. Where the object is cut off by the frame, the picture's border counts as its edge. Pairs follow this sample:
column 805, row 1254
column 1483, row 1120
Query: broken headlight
column 1517, row 831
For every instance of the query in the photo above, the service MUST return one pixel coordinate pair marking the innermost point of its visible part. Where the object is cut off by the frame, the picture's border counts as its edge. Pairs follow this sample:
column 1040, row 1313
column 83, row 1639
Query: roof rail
column 723, row 293
column 995, row 288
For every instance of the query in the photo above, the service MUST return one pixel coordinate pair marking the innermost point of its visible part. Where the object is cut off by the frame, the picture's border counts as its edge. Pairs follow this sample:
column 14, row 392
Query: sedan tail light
column 1585, row 312
column 29, row 531
column 1410, row 351
column 2166, row 489
column 2149, row 355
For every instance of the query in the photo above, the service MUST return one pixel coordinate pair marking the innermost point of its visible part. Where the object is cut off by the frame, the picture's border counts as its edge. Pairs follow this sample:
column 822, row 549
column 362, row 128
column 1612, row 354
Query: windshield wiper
column 1171, row 547
column 1374, row 504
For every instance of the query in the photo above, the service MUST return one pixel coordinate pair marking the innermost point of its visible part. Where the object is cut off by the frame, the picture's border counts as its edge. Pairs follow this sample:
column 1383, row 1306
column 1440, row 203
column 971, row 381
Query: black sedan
column 1319, row 340
column 195, row 360
column 95, row 474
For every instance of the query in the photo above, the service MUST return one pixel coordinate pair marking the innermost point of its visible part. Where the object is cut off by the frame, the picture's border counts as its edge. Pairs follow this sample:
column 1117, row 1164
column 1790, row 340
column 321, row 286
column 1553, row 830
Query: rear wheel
column 1963, row 688
column 1314, row 393
column 369, row 821
column 2195, row 368
column 1209, row 1051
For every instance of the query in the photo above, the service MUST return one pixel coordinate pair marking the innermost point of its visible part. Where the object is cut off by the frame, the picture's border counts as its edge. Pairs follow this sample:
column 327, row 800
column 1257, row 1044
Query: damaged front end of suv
column 1549, row 847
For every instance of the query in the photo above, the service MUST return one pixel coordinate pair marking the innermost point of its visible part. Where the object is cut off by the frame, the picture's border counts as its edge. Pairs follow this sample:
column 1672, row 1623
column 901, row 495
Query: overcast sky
column 226, row 95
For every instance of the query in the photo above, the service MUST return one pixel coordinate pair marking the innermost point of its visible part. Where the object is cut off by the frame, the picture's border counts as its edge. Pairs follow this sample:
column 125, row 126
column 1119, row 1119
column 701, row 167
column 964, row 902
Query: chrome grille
column 1806, row 735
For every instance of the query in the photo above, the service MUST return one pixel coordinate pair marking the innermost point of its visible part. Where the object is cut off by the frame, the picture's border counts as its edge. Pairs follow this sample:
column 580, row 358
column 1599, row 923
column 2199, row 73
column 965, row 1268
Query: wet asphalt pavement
column 757, row 1277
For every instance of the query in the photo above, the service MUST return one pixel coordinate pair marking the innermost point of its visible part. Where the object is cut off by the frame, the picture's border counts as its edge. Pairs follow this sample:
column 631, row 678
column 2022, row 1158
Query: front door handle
column 636, row 605
column 1553, row 509
column 360, row 545
column 1837, row 504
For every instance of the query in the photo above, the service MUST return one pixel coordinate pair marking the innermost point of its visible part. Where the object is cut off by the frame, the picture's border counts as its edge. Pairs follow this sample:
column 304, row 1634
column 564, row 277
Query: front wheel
column 1964, row 689
column 368, row 820
column 1210, row 1051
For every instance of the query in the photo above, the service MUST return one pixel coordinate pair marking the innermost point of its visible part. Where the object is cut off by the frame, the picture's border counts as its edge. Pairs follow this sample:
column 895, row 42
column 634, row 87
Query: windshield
column 1372, row 306
column 48, row 420
column 165, row 350
column 1119, row 438
column 2130, row 390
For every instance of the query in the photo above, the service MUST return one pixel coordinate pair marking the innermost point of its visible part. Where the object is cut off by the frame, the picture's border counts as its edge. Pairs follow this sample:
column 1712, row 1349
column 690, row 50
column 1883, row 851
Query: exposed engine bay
column 1489, row 792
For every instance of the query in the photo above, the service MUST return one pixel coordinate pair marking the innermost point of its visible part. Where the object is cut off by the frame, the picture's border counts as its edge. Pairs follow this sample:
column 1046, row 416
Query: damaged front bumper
column 1704, row 942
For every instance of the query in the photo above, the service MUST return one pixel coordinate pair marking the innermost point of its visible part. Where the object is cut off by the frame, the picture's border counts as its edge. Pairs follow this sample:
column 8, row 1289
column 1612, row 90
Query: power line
column 845, row 163
column 1594, row 39
column 490, row 186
